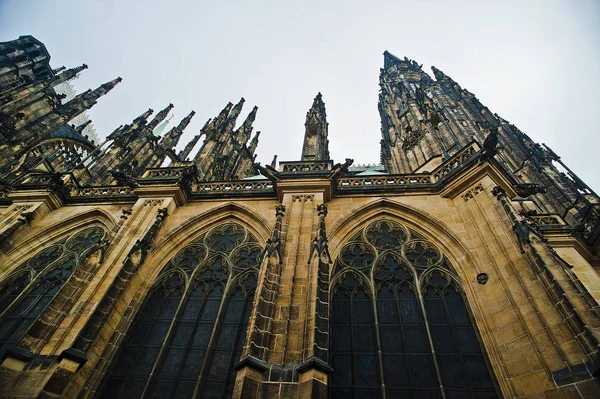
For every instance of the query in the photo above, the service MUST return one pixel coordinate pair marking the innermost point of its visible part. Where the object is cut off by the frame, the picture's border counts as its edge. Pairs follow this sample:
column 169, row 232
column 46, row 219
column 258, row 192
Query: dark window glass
column 354, row 357
column 166, row 353
column 391, row 257
column 23, row 299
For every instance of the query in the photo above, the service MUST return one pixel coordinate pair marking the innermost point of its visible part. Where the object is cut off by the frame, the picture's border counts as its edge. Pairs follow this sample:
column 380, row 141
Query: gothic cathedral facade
column 464, row 265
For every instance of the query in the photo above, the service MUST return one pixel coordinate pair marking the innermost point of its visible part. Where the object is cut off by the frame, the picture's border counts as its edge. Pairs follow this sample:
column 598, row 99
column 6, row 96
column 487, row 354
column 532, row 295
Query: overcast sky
column 535, row 63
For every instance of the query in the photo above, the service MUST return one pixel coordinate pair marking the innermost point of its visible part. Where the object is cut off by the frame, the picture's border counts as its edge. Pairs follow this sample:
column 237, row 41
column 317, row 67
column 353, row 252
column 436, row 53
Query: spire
column 235, row 112
column 87, row 99
column 183, row 154
column 247, row 125
column 316, row 144
column 160, row 117
column 185, row 121
column 144, row 116
column 57, row 70
column 114, row 133
column 81, row 127
column 253, row 143
column 389, row 59
column 172, row 137
column 274, row 161
column 220, row 119
column 439, row 75
column 244, row 132
column 69, row 74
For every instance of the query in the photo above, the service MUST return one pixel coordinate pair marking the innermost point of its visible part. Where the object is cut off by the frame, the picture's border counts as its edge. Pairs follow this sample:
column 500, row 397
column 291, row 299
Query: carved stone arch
column 215, row 286
column 421, row 222
column 243, row 214
column 185, row 233
column 402, row 263
column 453, row 249
column 166, row 273
column 447, row 273
column 424, row 224
column 57, row 283
column 32, row 243
column 363, row 279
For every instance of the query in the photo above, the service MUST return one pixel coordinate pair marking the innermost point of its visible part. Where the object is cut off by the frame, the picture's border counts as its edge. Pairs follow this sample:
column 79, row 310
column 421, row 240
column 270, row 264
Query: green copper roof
column 256, row 177
column 370, row 172
column 161, row 126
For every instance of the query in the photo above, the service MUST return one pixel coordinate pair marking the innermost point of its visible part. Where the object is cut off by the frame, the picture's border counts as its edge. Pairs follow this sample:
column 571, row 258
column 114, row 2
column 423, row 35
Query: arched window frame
column 38, row 271
column 419, row 279
column 196, row 270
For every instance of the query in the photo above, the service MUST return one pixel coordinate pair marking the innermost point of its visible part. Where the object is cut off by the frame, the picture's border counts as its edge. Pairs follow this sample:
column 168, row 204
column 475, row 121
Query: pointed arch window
column 26, row 292
column 191, row 327
column 399, row 321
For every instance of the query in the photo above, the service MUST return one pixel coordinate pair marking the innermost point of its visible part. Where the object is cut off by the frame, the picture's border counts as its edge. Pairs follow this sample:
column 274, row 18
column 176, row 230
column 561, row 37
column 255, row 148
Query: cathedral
column 462, row 264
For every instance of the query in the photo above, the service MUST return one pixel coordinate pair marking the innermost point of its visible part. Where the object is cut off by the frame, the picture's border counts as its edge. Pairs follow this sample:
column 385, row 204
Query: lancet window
column 399, row 321
column 190, row 330
column 26, row 292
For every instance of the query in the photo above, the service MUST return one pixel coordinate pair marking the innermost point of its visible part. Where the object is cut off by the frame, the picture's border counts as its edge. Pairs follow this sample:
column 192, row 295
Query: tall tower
column 424, row 122
column 316, row 144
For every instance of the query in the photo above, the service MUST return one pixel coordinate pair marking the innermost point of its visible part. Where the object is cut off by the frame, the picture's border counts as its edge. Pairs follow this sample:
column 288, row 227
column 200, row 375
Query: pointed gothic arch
column 407, row 346
column 191, row 326
column 35, row 284
column 31, row 243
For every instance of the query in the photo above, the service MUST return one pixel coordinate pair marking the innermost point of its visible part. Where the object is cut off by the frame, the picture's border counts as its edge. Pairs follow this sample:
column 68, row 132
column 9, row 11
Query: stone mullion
column 214, row 336
column 373, row 293
column 475, row 213
column 188, row 288
column 421, row 300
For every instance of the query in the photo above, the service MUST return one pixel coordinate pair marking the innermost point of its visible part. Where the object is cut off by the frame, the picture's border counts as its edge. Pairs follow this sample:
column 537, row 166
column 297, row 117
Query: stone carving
column 303, row 198
column 482, row 278
column 473, row 192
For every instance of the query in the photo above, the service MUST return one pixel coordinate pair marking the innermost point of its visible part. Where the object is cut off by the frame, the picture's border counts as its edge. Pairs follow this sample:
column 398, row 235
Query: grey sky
column 535, row 63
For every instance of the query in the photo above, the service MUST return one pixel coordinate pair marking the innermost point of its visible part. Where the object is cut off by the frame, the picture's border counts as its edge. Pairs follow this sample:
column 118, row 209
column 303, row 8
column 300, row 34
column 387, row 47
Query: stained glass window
column 202, row 323
column 26, row 292
column 399, row 321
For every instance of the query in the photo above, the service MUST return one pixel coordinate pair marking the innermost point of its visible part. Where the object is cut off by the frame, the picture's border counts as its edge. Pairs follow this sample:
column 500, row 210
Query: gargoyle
column 339, row 169
column 527, row 189
column 123, row 179
column 489, row 146
column 269, row 172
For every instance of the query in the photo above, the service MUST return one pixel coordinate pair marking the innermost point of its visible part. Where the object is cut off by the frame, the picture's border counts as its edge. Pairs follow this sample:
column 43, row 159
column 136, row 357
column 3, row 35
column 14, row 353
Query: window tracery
column 29, row 289
column 399, row 321
column 202, row 302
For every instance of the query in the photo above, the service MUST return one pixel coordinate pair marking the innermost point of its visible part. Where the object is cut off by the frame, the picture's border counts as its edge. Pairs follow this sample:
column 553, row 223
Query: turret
column 71, row 73
column 172, row 137
column 183, row 154
column 316, row 143
column 253, row 144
